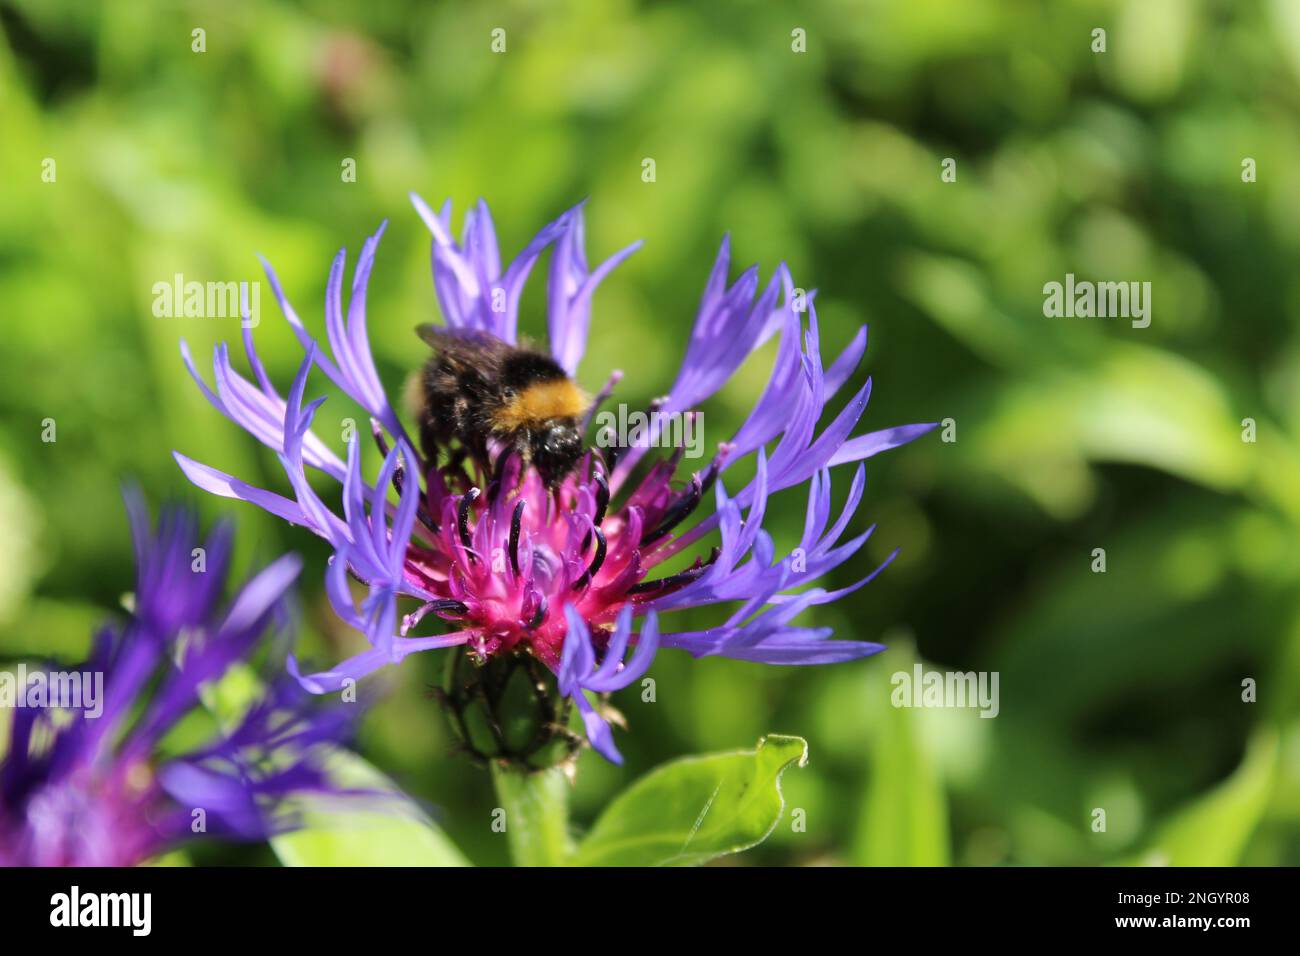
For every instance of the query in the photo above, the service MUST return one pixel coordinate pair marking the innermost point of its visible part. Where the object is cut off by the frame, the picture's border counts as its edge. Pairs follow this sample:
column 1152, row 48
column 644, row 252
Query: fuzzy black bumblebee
column 476, row 388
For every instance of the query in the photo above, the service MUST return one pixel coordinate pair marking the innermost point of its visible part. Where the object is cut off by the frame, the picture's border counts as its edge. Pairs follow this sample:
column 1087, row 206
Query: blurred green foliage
column 1120, row 691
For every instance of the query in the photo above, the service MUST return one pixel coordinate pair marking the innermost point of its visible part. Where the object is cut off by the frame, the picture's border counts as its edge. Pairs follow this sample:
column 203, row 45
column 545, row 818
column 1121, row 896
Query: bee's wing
column 433, row 335
column 446, row 339
column 470, row 349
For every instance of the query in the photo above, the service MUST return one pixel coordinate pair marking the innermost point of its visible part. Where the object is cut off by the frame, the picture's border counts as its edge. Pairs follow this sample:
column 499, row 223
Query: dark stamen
column 539, row 615
column 596, row 562
column 499, row 474
column 602, row 496
column 677, row 511
column 715, row 468
column 610, row 452
column 516, row 524
column 426, row 519
column 602, row 503
column 448, row 605
column 675, row 580
column 399, row 477
column 378, row 431
column 462, row 520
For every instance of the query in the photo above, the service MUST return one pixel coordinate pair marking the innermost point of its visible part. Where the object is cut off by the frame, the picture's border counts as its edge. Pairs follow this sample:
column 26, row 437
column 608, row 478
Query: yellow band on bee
column 542, row 402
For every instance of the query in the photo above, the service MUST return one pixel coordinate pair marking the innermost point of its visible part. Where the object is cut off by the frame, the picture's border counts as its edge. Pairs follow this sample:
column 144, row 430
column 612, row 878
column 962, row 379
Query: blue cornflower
column 86, row 786
column 561, row 573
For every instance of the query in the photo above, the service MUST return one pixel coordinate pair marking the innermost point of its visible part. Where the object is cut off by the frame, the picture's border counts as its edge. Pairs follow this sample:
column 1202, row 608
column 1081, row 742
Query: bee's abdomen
column 458, row 403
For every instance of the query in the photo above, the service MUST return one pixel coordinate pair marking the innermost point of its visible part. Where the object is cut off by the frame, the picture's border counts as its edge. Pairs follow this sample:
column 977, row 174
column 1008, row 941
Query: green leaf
column 1213, row 830
column 388, row 830
column 692, row 810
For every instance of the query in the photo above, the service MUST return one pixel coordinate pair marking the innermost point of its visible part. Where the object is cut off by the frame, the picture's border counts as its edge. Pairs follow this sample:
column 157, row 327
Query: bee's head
column 554, row 447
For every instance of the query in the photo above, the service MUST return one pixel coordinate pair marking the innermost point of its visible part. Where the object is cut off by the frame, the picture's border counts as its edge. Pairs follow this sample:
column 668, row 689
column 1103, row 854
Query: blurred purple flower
column 82, row 786
column 561, row 576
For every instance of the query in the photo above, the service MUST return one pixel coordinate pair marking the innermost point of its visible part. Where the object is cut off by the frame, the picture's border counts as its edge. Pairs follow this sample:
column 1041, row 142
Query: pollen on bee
column 542, row 401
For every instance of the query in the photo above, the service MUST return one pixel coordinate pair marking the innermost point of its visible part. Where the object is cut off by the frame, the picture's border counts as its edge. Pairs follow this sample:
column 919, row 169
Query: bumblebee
column 476, row 389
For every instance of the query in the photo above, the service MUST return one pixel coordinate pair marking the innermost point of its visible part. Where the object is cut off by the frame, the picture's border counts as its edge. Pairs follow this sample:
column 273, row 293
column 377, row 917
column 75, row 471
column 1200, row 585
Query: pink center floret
column 514, row 556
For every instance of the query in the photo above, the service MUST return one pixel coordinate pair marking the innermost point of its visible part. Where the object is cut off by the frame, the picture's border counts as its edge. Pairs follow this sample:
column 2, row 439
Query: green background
column 1120, row 691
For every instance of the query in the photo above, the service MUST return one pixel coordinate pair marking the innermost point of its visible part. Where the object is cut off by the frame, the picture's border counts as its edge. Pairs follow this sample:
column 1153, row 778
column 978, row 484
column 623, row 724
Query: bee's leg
column 478, row 454
column 502, row 462
column 431, row 441
column 456, row 458
column 501, row 472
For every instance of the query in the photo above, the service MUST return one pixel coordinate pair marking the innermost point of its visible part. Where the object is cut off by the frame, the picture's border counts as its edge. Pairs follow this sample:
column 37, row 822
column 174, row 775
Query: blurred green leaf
column 692, row 810
column 396, row 832
column 1213, row 830
column 904, row 816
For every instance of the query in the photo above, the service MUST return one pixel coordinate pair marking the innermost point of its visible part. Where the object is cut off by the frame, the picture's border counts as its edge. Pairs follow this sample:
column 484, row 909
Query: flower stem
column 537, row 814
